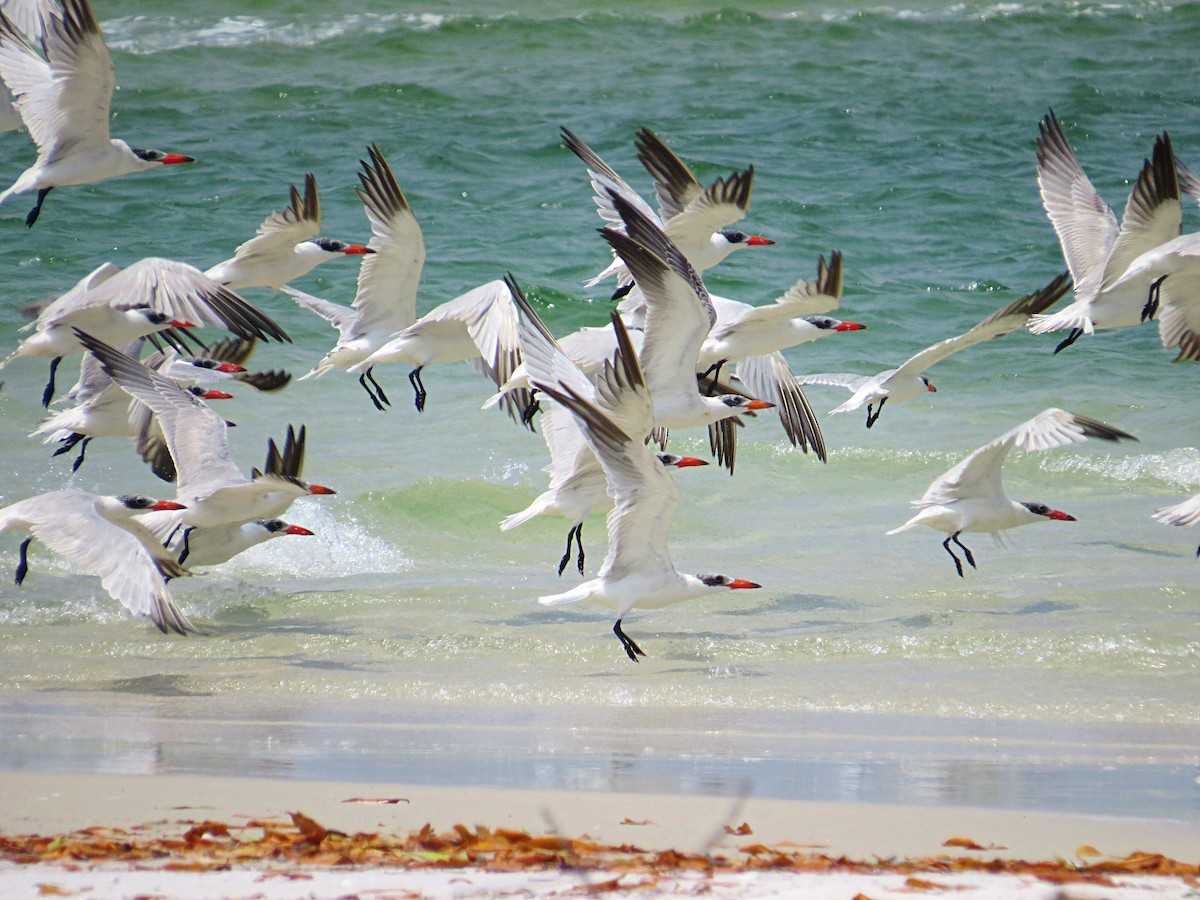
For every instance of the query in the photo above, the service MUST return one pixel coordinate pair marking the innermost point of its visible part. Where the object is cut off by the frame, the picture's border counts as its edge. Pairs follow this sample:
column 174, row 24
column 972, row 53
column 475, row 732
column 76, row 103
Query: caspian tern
column 578, row 485
column 118, row 305
column 479, row 327
column 213, row 546
column 100, row 535
column 1098, row 251
column 970, row 497
column 679, row 315
column 1185, row 513
column 753, row 336
column 689, row 213
column 210, row 484
column 749, row 336
column 909, row 381
column 285, row 246
column 64, row 100
column 637, row 569
column 386, row 300
column 107, row 410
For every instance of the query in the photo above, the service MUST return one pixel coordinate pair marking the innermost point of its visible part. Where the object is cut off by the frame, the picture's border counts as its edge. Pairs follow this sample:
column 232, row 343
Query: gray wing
column 195, row 435
column 1003, row 321
column 769, row 378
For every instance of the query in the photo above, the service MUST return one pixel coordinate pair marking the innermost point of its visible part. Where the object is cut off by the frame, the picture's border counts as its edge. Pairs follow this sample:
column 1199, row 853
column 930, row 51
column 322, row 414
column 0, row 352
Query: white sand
column 49, row 803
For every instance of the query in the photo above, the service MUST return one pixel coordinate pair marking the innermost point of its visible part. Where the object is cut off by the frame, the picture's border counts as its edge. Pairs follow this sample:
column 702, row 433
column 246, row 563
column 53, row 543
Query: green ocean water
column 902, row 135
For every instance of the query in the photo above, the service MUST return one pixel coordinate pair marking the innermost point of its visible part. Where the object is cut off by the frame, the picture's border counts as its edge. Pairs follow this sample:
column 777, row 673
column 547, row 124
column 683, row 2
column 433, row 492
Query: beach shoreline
column 889, row 838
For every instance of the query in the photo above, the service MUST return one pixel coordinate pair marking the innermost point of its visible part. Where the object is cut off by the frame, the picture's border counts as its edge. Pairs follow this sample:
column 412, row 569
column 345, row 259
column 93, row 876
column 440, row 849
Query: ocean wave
column 145, row 35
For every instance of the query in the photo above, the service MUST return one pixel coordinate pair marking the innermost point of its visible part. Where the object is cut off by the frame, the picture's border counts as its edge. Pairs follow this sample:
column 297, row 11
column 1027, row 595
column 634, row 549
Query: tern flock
column 604, row 398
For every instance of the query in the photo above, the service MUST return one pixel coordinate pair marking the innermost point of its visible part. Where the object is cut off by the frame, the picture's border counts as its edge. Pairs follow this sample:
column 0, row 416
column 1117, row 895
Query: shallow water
column 902, row 135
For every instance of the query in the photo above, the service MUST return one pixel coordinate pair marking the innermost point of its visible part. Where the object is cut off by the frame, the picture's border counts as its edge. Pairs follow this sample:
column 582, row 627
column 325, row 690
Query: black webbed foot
column 632, row 650
column 1076, row 334
column 23, row 562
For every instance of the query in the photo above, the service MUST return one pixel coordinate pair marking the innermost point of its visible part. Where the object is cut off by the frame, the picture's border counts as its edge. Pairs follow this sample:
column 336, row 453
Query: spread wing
column 386, row 299
column 998, row 324
column 978, row 476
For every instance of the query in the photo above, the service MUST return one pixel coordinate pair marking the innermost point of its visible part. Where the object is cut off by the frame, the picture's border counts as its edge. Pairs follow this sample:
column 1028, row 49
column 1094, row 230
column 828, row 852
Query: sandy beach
column 719, row 827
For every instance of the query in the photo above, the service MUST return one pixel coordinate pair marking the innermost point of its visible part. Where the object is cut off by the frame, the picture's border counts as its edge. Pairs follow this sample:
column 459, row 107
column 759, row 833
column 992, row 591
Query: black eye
column 148, row 155
column 735, row 237
column 204, row 363
column 330, row 245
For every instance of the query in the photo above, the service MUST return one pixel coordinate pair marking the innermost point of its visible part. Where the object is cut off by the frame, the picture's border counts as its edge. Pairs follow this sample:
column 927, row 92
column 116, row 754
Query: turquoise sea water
column 404, row 640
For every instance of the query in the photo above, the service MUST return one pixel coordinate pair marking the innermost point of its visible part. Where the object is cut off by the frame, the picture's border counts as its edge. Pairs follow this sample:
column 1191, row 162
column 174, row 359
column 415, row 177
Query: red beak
column 216, row 395
column 320, row 489
column 686, row 461
column 162, row 505
column 759, row 404
column 357, row 250
column 932, row 389
column 742, row 583
column 297, row 529
column 755, row 241
column 1059, row 516
column 230, row 368
column 850, row 326
column 173, row 159
column 177, row 323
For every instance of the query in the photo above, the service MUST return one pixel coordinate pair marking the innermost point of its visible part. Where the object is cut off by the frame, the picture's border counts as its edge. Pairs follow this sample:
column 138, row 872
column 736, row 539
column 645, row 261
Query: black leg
column 37, row 209
column 957, row 561
column 187, row 532
column 48, row 394
column 530, row 409
column 362, row 379
column 872, row 419
column 579, row 541
column 965, row 549
column 382, row 396
column 562, row 563
column 1151, row 307
column 1076, row 334
column 67, row 444
column 632, row 650
column 23, row 562
column 82, row 451
column 414, row 378
column 715, row 371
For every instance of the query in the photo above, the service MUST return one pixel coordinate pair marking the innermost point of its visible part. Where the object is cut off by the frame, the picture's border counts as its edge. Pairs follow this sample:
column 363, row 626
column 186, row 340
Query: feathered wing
column 806, row 297
column 1179, row 315
column 769, row 378
column 722, row 203
column 1184, row 513
column 847, row 380
column 386, row 298
column 195, row 435
column 674, row 184
column 131, row 565
column 1011, row 318
column 283, row 229
column 1153, row 213
column 979, row 475
column 64, row 99
column 1086, row 226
